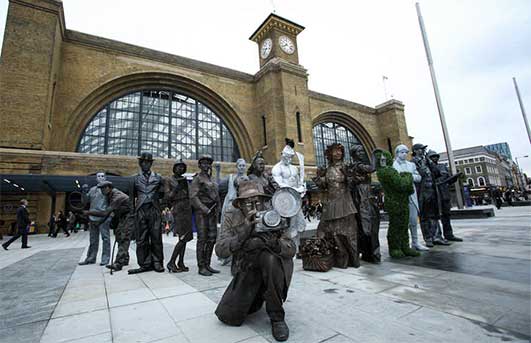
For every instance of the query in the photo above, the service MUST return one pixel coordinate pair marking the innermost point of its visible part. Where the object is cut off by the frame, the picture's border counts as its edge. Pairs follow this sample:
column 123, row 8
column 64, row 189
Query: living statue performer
column 427, row 197
column 397, row 186
column 205, row 201
column 368, row 216
column 257, row 173
column 232, row 185
column 444, row 179
column 178, row 198
column 145, row 194
column 402, row 165
column 338, row 221
column 97, row 225
column 287, row 175
column 119, row 210
column 262, row 263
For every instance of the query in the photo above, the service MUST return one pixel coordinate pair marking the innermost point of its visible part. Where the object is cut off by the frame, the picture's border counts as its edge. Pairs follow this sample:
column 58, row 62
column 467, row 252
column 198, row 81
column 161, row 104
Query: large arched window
column 325, row 134
column 167, row 124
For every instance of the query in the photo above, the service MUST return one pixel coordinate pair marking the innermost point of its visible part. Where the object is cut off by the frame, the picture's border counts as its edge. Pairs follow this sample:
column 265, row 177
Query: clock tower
column 282, row 89
column 277, row 37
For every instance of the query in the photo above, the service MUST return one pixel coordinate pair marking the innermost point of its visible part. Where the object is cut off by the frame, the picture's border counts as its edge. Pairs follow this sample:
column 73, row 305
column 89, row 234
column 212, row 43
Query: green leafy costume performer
column 397, row 188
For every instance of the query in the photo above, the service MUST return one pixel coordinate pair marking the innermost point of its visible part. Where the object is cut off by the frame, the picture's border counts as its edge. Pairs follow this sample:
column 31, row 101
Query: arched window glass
column 167, row 124
column 470, row 182
column 328, row 133
column 481, row 181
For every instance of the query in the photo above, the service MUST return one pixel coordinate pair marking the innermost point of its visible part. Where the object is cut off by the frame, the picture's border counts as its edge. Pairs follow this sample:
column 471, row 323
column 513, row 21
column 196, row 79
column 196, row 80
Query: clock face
column 267, row 44
column 286, row 44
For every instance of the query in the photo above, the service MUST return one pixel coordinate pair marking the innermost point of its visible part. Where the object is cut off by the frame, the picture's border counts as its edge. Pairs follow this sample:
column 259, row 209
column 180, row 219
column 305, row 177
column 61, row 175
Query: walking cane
column 112, row 254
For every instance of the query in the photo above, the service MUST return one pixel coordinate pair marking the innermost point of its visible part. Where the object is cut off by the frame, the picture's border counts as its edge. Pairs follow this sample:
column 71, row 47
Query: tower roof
column 277, row 21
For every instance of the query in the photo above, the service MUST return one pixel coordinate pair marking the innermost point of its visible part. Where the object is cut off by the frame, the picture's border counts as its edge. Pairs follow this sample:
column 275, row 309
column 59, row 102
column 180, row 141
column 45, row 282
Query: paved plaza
column 475, row 291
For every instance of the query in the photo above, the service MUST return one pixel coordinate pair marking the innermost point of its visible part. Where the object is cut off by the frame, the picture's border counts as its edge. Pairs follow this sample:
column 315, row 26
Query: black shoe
column 429, row 244
column 205, row 272
column 84, row 263
column 158, row 268
column 280, row 330
column 441, row 242
column 212, row 270
column 4, row 246
column 139, row 270
column 454, row 239
column 114, row 266
column 26, row 247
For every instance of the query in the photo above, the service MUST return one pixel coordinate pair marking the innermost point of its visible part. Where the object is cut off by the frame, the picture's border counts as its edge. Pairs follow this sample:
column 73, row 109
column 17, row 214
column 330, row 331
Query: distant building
column 481, row 167
column 500, row 148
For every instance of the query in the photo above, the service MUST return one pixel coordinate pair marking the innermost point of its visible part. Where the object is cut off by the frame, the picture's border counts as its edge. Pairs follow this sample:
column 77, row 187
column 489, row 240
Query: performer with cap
column 287, row 175
column 177, row 196
column 145, row 192
column 119, row 211
column 262, row 263
column 443, row 180
column 205, row 201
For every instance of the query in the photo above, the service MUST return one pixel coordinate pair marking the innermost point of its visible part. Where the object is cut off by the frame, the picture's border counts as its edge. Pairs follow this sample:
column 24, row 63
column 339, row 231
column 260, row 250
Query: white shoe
column 419, row 247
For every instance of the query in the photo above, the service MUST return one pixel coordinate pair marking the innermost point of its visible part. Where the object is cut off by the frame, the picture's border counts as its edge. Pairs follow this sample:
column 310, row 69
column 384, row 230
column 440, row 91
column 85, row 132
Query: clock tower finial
column 277, row 37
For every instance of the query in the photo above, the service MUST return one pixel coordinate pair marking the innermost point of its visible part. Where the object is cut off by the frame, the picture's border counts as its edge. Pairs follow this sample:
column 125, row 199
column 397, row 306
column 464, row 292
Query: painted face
column 250, row 204
column 205, row 166
column 259, row 165
column 337, row 155
column 402, row 155
column 100, row 177
column 240, row 167
column 106, row 190
column 286, row 159
column 179, row 169
column 145, row 165
column 434, row 159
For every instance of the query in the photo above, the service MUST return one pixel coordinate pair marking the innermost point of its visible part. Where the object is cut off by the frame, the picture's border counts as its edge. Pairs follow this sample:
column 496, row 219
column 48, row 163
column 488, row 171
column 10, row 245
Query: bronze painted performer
column 177, row 196
column 145, row 197
column 368, row 213
column 205, row 201
column 257, row 173
column 338, row 221
column 262, row 263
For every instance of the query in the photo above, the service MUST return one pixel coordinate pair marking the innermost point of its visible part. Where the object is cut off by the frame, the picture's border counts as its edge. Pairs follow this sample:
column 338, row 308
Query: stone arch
column 124, row 85
column 346, row 120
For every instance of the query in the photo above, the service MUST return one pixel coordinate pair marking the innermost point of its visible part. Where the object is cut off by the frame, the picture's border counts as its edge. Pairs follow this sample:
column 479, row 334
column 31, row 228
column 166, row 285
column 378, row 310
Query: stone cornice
column 390, row 105
column 137, row 51
column 342, row 102
column 277, row 64
column 275, row 21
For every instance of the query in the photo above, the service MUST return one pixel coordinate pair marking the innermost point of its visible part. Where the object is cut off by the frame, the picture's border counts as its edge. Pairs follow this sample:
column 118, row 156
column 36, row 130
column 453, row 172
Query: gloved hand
column 254, row 243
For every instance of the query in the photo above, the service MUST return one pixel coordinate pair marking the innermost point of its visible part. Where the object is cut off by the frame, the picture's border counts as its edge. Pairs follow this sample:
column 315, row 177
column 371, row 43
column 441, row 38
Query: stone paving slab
column 399, row 300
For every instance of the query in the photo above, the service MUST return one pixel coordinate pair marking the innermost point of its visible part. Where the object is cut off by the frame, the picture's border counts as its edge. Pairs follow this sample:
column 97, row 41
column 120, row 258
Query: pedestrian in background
column 23, row 223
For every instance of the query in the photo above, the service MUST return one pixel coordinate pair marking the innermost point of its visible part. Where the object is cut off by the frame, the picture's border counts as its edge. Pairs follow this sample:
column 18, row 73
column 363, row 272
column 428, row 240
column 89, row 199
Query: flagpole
column 446, row 136
column 522, row 108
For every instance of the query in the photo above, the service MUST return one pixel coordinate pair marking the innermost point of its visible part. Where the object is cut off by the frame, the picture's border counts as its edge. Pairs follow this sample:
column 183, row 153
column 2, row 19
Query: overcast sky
column 347, row 46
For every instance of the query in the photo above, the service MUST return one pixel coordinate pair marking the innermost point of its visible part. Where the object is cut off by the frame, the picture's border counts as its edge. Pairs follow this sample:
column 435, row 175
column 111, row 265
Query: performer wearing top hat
column 144, row 195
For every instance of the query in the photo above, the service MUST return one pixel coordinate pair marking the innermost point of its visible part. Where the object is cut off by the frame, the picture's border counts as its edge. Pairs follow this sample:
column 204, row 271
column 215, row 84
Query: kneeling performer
column 262, row 262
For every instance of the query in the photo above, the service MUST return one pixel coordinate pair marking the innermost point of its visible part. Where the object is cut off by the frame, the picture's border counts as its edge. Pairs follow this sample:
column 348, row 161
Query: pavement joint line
column 410, row 312
column 329, row 338
column 85, row 337
column 108, row 305
column 437, row 309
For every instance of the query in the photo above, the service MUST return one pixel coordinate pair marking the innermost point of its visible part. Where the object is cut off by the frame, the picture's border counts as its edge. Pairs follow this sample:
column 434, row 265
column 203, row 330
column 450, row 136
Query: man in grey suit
column 97, row 225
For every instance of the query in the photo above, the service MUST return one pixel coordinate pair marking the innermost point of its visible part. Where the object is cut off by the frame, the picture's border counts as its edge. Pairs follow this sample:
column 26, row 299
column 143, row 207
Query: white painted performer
column 401, row 164
column 287, row 175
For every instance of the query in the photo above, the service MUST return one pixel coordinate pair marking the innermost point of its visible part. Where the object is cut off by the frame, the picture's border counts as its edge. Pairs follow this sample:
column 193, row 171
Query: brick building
column 73, row 103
